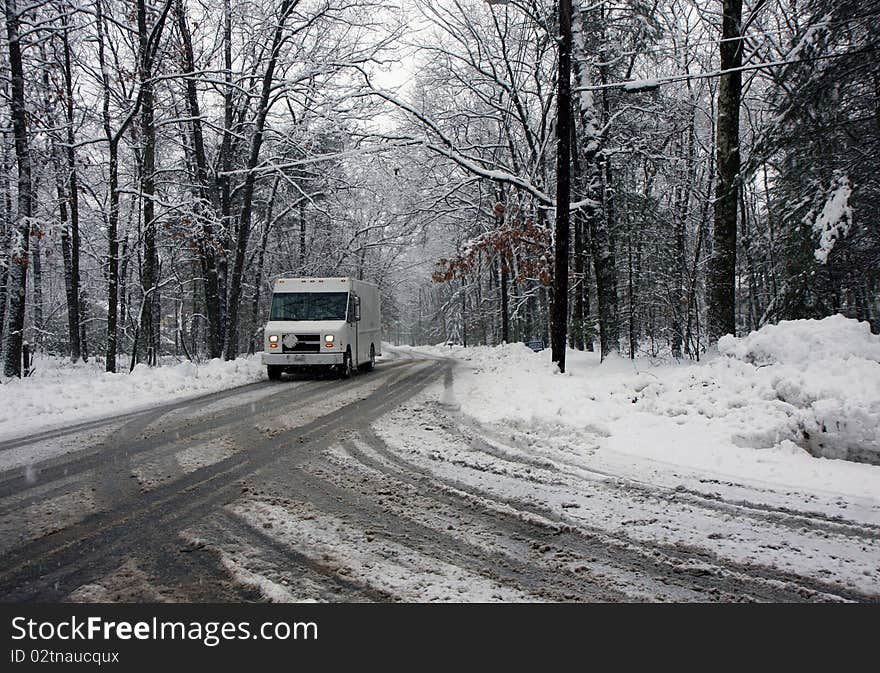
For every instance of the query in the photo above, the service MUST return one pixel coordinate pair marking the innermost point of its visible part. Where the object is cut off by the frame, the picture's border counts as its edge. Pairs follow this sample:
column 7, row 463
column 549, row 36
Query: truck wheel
column 345, row 372
column 368, row 366
column 274, row 372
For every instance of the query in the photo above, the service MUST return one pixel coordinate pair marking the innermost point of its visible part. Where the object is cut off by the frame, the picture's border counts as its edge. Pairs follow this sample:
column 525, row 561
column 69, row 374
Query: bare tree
column 16, row 283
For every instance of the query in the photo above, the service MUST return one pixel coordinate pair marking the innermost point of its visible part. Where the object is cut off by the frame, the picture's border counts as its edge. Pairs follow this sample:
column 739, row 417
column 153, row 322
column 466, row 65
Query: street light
column 559, row 316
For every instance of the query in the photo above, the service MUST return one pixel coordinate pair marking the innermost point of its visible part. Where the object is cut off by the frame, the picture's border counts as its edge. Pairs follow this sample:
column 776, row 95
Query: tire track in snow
column 52, row 566
column 254, row 551
column 703, row 568
column 519, row 547
column 489, row 441
column 395, row 568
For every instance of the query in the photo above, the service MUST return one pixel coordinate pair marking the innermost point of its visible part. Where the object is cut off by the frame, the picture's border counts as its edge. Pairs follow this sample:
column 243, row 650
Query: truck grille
column 301, row 343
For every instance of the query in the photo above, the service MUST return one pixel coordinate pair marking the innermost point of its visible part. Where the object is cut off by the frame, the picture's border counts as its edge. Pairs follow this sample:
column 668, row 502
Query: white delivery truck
column 322, row 322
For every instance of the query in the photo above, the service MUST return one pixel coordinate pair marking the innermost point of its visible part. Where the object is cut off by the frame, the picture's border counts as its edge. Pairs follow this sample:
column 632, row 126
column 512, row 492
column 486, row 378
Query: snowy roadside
column 726, row 461
column 752, row 418
column 61, row 394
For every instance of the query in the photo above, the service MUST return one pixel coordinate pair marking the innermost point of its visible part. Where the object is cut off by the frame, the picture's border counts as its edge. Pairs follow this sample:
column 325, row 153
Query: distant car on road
column 536, row 345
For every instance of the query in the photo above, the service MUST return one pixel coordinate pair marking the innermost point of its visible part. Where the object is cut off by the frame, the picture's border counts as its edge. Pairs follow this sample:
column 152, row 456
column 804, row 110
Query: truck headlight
column 329, row 338
column 273, row 339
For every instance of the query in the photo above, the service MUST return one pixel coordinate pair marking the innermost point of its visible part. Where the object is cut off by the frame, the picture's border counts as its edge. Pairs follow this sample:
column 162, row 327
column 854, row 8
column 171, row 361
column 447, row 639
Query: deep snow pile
column 752, row 411
column 829, row 372
column 60, row 393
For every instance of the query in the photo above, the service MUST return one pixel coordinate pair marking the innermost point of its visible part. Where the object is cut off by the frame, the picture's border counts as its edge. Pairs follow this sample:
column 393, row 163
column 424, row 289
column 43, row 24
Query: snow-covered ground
column 488, row 475
column 732, row 457
column 60, row 394
column 774, row 408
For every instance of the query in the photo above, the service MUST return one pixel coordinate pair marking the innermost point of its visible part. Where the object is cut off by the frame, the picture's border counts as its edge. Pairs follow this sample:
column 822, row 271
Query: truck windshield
column 308, row 306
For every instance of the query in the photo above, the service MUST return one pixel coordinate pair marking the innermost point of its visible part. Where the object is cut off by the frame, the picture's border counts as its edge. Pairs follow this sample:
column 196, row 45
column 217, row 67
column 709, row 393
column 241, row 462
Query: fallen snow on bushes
column 60, row 394
column 773, row 408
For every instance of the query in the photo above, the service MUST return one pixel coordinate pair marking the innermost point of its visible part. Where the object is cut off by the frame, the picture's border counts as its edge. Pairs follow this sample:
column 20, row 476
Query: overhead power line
column 650, row 84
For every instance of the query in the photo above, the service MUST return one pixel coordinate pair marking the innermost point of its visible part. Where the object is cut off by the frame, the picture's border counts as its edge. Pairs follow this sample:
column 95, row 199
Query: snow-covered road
column 385, row 488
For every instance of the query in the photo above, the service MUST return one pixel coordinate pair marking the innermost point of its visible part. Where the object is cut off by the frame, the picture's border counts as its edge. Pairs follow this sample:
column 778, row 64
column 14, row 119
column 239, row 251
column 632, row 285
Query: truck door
column 354, row 314
column 357, row 325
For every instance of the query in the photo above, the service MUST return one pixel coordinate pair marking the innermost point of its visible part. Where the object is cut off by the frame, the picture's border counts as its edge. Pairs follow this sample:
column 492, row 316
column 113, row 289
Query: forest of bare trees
column 724, row 173
column 164, row 160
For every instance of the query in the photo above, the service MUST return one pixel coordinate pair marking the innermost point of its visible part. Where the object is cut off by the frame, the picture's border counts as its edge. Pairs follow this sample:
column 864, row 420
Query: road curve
column 285, row 491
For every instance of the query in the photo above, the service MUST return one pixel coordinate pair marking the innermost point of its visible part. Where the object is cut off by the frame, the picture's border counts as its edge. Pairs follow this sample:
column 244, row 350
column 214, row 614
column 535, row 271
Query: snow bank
column 761, row 410
column 829, row 372
column 60, row 393
column 802, row 342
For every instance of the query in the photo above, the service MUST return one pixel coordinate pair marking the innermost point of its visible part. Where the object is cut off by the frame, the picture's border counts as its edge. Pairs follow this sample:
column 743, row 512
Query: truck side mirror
column 357, row 309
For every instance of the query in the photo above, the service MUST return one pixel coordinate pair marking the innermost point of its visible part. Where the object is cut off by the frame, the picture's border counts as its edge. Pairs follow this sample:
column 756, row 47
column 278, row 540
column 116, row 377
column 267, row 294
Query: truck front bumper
column 302, row 359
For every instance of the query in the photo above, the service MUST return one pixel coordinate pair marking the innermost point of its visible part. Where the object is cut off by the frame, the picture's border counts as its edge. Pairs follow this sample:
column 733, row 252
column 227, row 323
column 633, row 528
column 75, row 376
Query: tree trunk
column 61, row 186
column 6, row 227
column 37, row 266
column 591, row 179
column 225, row 179
column 255, row 297
column 605, row 265
column 74, row 317
column 302, row 236
column 463, row 314
column 502, row 269
column 124, row 310
column 113, row 194
column 584, row 294
column 83, row 322
column 505, row 301
column 631, row 293
column 559, row 322
column 722, row 268
column 66, row 258
column 579, row 319
column 244, row 220
column 692, row 331
column 151, row 314
column 18, row 259
column 207, row 196
column 679, row 263
column 258, row 272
